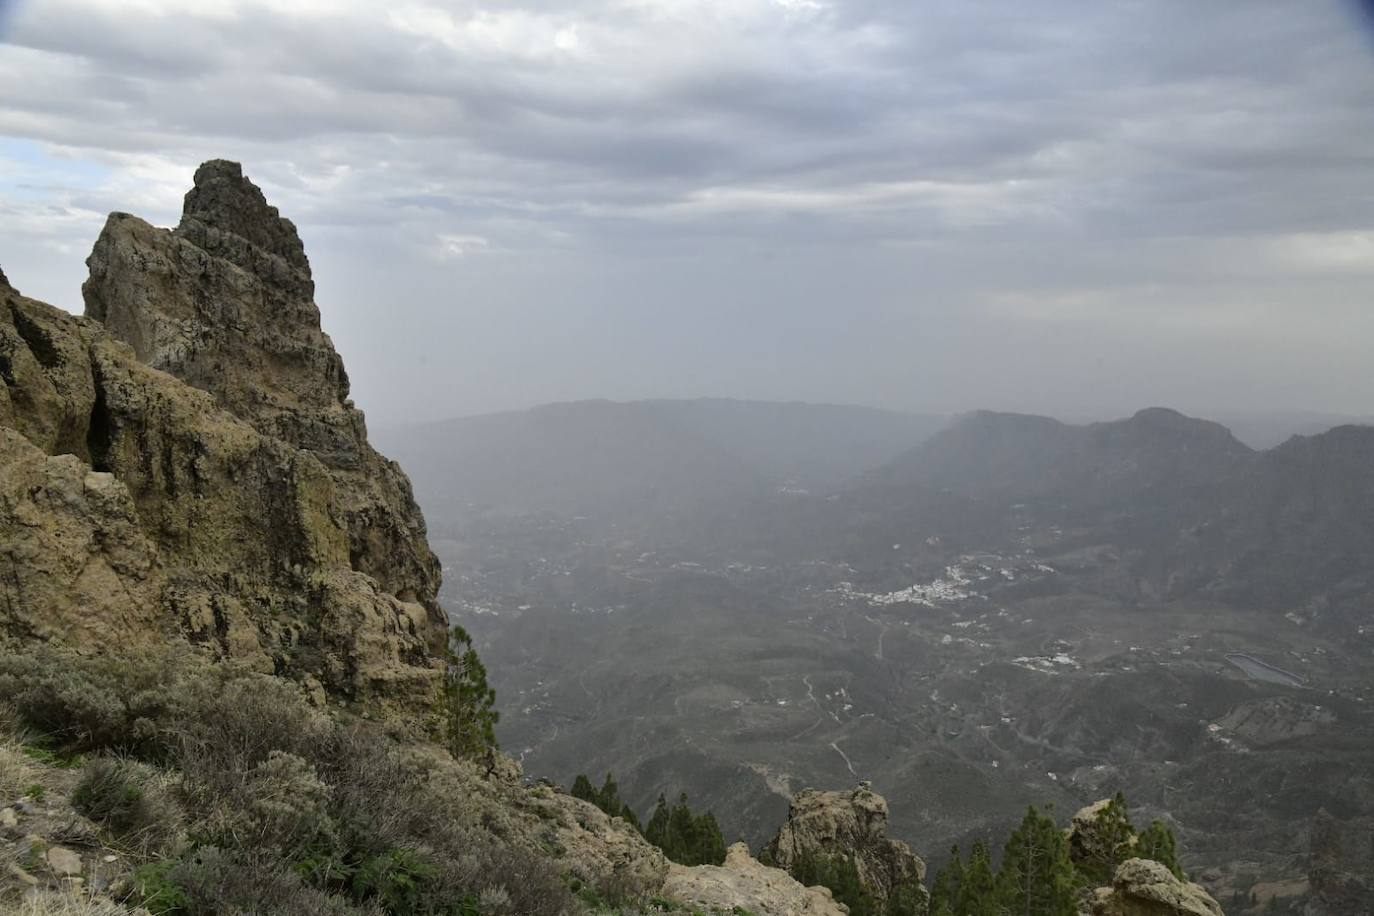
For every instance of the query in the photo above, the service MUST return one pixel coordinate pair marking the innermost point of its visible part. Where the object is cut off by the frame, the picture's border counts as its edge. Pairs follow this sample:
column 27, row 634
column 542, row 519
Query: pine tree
column 944, row 889
column 977, row 889
column 849, row 889
column 1158, row 843
column 906, row 900
column 657, row 830
column 582, row 788
column 680, row 833
column 1036, row 878
column 608, row 798
column 467, row 717
column 710, row 841
column 1112, row 842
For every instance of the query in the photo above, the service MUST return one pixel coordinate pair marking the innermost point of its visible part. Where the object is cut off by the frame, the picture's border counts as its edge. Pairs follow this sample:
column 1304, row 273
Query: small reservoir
column 1263, row 671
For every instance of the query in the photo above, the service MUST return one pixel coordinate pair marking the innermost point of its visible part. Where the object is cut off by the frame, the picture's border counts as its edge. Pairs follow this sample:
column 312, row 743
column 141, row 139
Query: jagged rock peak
column 223, row 203
column 4, row 281
column 225, row 303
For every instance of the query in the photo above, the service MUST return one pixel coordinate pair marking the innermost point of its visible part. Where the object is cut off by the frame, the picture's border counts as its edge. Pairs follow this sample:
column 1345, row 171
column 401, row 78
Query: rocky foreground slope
column 182, row 467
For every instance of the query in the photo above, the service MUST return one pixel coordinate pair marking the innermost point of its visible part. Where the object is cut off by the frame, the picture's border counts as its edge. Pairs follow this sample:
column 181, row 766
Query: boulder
column 1145, row 888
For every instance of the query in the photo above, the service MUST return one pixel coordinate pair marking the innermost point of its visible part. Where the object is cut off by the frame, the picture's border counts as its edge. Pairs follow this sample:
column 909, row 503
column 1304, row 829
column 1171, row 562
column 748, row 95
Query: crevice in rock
column 100, row 428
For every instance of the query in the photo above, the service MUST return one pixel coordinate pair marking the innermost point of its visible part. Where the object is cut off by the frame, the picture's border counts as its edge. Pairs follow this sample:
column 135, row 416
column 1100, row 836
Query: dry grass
column 58, row 903
column 17, row 771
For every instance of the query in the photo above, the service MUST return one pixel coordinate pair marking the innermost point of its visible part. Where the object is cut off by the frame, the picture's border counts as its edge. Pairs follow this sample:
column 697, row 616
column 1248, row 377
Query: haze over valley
column 975, row 613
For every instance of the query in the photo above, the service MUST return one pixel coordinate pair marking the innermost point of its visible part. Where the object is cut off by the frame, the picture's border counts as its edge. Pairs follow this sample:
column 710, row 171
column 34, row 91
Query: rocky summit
column 185, row 459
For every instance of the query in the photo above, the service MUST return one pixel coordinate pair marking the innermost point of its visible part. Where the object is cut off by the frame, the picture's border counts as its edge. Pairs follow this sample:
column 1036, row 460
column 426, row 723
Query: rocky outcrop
column 743, row 884
column 836, row 825
column 1145, row 888
column 224, row 303
column 241, row 507
column 1100, row 833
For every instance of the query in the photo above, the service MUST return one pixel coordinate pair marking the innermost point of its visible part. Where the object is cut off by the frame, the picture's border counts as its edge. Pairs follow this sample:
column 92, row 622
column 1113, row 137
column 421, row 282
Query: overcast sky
column 1062, row 207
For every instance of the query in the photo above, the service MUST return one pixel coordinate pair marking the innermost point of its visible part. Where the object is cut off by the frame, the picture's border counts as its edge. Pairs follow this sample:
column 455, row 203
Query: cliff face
column 224, row 303
column 185, row 460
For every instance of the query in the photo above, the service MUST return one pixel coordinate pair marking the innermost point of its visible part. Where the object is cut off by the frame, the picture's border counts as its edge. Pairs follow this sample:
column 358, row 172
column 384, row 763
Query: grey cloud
column 662, row 199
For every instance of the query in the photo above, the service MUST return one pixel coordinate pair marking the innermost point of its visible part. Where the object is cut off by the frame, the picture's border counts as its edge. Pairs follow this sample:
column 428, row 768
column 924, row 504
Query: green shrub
column 396, row 880
column 157, row 892
column 287, row 811
column 215, row 881
column 86, row 704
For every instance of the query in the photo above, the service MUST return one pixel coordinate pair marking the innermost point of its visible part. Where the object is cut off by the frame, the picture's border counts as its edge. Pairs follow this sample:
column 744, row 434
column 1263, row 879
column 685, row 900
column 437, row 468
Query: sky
column 1057, row 207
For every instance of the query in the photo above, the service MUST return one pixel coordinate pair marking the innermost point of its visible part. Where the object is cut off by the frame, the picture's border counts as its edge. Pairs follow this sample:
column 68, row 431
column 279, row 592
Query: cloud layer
column 1058, row 206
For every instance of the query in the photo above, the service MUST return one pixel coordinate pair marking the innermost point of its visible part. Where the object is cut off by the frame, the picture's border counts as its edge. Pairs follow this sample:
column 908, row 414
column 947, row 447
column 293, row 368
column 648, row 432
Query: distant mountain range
column 633, row 459
column 1179, row 504
column 1184, row 505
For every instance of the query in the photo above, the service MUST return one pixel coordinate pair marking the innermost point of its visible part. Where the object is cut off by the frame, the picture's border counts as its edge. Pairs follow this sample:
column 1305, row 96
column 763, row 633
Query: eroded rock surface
column 848, row 824
column 743, row 883
column 1145, row 888
column 242, row 506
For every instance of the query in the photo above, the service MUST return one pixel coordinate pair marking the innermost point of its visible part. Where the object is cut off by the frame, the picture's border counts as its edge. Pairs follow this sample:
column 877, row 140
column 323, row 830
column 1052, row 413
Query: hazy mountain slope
column 997, row 455
column 1266, row 429
column 1300, row 525
column 813, row 446
column 606, row 459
